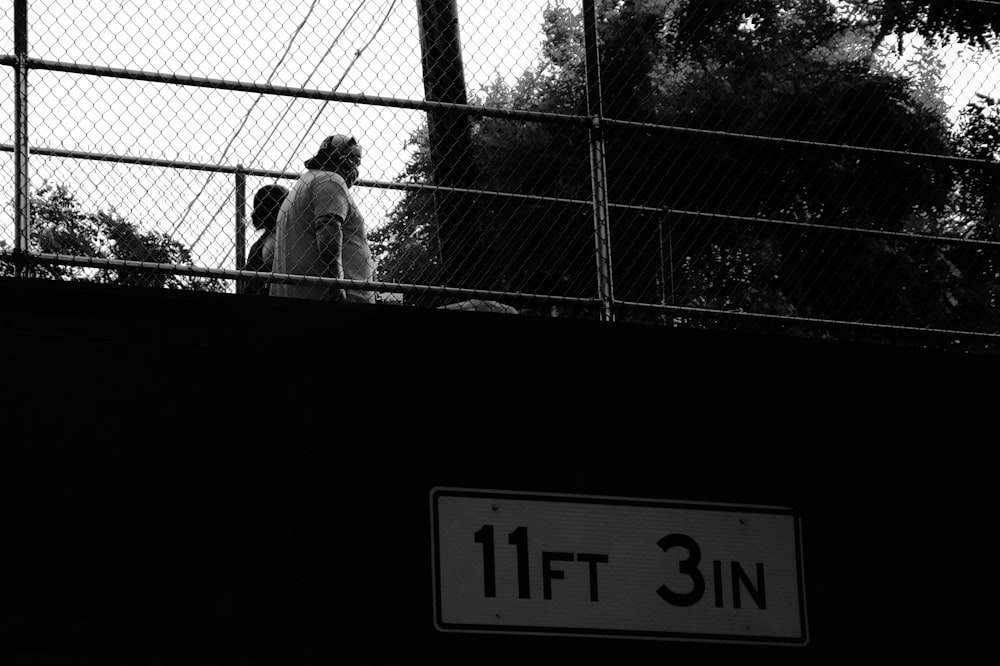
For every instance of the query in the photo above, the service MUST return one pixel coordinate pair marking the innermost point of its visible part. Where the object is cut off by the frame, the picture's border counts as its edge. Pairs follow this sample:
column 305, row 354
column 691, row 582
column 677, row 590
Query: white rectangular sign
column 625, row 567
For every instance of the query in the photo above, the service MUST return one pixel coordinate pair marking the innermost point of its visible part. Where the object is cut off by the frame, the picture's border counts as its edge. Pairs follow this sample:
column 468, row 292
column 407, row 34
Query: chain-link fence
column 821, row 166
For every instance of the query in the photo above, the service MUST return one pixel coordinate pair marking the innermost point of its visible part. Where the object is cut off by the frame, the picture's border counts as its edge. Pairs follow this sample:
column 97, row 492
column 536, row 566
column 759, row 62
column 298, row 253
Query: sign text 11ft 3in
column 538, row 563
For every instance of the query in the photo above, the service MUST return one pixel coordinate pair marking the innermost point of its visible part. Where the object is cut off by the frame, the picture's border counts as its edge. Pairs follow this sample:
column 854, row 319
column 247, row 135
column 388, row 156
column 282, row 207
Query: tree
column 802, row 72
column 60, row 226
column 975, row 23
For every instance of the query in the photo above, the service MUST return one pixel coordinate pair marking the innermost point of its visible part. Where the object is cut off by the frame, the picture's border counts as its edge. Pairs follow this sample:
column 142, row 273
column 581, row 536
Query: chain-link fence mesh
column 817, row 165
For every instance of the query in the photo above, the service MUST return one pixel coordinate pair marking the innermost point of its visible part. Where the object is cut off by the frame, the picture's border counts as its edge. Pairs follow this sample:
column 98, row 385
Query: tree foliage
column 790, row 90
column 59, row 225
column 976, row 23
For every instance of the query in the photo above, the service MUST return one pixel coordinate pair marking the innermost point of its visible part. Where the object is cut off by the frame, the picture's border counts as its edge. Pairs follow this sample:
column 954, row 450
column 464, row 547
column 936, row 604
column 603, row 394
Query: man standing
column 320, row 231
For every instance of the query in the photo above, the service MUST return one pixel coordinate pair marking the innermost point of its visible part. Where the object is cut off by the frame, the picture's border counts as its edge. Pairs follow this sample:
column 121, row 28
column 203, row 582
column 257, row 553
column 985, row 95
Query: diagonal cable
column 350, row 65
column 319, row 63
column 246, row 117
column 291, row 104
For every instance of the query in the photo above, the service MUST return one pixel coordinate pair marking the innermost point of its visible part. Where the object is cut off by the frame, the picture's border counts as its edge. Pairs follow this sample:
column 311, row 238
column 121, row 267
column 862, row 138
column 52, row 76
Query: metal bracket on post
column 598, row 165
column 22, row 210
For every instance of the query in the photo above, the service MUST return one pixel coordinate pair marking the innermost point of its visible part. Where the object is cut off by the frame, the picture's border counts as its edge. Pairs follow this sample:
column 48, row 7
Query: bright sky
column 356, row 46
column 311, row 44
column 965, row 71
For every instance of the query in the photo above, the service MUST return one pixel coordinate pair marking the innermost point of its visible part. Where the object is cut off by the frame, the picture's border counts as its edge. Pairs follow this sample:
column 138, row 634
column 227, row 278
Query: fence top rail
column 472, row 109
column 304, row 93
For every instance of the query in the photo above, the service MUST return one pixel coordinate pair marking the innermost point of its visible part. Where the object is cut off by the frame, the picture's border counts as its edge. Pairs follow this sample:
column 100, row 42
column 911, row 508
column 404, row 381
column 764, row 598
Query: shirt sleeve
column 330, row 208
column 330, row 198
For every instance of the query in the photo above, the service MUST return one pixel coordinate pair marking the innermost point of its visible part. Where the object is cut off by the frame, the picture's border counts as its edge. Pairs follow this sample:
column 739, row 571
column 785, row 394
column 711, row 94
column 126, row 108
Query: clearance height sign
column 535, row 563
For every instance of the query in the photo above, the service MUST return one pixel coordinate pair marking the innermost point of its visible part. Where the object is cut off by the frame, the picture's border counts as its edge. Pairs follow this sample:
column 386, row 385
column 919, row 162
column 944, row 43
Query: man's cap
column 335, row 149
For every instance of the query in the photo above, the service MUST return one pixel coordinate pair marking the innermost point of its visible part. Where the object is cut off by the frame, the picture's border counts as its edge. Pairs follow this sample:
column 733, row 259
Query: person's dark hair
column 266, row 204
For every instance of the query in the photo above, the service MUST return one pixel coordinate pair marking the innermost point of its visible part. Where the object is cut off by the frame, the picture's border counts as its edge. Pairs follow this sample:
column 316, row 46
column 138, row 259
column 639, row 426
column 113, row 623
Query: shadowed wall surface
column 159, row 508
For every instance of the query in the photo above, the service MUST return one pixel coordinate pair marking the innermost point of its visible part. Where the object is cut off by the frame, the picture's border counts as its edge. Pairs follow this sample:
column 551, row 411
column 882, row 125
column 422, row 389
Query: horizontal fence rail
column 287, row 91
column 620, row 152
column 229, row 274
column 286, row 278
column 427, row 187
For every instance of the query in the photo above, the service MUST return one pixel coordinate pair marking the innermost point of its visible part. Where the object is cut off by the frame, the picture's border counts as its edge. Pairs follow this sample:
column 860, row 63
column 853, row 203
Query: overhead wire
column 357, row 55
column 291, row 104
column 246, row 117
column 319, row 63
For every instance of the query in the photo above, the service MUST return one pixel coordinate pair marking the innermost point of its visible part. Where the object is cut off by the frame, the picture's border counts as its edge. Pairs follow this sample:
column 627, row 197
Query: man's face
column 351, row 171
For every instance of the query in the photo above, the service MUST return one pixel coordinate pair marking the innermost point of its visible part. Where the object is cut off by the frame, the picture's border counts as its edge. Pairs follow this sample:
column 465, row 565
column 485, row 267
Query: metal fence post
column 598, row 165
column 22, row 212
column 241, row 225
column 666, row 277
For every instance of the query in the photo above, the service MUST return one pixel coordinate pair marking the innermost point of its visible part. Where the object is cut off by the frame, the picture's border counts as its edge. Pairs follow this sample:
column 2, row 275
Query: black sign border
column 440, row 625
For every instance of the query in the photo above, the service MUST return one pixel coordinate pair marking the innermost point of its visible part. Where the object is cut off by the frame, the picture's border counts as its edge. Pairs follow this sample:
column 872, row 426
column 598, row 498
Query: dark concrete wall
column 202, row 478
